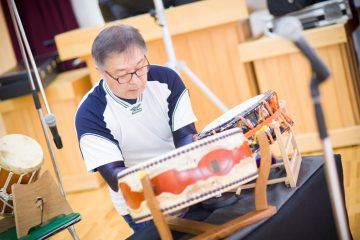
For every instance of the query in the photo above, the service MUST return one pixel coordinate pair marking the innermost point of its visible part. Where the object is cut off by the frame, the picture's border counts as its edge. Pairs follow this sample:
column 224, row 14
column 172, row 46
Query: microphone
column 291, row 28
column 51, row 122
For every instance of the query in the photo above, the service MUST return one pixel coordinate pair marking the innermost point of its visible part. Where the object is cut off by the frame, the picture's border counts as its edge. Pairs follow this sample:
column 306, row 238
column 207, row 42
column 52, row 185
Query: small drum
column 20, row 160
column 251, row 116
column 190, row 174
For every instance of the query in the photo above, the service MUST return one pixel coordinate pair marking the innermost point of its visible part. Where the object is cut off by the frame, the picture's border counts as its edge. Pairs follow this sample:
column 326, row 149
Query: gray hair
column 115, row 39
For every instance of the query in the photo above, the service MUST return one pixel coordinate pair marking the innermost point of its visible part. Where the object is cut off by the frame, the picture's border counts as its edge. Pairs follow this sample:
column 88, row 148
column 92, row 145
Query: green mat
column 44, row 231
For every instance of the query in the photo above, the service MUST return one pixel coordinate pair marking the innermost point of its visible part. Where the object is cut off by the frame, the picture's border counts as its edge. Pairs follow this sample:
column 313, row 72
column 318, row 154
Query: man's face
column 126, row 73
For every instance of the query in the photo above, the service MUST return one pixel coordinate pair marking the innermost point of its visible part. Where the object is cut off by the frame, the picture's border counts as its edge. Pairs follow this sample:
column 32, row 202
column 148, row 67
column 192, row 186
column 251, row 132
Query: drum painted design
column 21, row 158
column 251, row 116
column 190, row 174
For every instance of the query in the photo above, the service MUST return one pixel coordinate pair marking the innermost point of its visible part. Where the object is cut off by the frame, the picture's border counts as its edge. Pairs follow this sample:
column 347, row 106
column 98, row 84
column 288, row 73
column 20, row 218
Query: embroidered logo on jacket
column 136, row 109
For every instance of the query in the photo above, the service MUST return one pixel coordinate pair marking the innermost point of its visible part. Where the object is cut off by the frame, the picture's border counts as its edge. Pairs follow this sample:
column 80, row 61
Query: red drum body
column 190, row 174
column 21, row 158
column 250, row 116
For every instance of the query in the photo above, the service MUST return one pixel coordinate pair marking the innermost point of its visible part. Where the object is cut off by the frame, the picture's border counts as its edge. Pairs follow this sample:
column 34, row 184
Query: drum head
column 234, row 112
column 20, row 154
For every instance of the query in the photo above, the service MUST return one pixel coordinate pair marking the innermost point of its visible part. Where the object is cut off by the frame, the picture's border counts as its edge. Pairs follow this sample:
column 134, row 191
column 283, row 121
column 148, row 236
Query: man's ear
column 99, row 70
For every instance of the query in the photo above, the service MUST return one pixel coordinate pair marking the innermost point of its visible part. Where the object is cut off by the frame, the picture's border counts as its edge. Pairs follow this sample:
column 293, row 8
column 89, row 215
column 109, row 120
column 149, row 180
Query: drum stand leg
column 210, row 231
column 292, row 166
column 153, row 204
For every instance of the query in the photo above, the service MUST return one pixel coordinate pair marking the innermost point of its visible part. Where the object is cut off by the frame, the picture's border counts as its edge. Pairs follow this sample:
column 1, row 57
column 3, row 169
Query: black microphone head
column 50, row 120
column 289, row 28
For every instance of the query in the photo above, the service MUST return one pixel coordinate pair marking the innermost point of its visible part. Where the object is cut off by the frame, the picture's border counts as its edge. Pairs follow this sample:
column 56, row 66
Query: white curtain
column 87, row 13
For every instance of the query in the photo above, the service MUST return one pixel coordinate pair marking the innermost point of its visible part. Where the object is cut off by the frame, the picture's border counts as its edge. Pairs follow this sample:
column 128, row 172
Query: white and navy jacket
column 111, row 129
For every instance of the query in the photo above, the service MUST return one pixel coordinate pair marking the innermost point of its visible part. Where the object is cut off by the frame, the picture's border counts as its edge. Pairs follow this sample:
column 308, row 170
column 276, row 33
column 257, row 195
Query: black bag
column 15, row 82
column 282, row 7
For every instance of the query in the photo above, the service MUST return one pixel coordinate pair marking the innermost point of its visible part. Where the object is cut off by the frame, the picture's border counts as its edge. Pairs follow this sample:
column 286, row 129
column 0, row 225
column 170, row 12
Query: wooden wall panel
column 211, row 55
column 279, row 65
column 64, row 94
column 289, row 75
column 7, row 56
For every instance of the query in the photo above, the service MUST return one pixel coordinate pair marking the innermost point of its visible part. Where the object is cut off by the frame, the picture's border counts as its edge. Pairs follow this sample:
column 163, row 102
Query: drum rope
column 3, row 193
column 266, row 122
column 20, row 178
column 246, row 121
column 268, row 107
column 32, row 176
column 5, row 203
column 265, row 112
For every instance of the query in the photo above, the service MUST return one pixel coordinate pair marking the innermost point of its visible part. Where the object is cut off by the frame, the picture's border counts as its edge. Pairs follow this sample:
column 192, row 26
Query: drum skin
column 20, row 157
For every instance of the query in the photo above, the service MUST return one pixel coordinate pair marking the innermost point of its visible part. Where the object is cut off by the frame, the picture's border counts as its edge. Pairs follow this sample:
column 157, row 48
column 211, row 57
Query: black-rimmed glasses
column 127, row 77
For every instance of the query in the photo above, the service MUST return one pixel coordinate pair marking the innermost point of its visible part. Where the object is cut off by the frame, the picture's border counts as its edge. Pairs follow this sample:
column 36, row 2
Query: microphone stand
column 26, row 53
column 291, row 28
column 331, row 174
column 160, row 18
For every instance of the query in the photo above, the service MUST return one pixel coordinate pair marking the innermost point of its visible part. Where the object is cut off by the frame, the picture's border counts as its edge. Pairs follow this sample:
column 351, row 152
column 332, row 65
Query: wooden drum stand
column 211, row 231
column 40, row 210
column 287, row 146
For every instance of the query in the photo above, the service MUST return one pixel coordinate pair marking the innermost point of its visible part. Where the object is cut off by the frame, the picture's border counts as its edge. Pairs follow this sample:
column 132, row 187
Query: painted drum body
column 190, row 174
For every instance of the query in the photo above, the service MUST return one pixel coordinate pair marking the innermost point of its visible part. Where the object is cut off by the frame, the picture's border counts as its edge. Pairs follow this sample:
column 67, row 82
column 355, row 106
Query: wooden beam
column 153, row 204
column 188, row 226
column 264, row 171
column 232, row 226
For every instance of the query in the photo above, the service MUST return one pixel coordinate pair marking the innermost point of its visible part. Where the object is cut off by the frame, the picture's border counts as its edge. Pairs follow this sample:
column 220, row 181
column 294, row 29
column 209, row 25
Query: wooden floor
column 351, row 167
column 101, row 222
